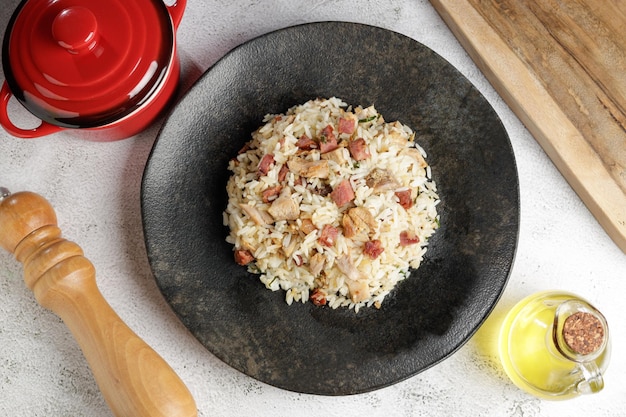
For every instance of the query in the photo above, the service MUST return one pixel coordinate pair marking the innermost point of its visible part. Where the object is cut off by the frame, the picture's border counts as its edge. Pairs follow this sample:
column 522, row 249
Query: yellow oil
column 528, row 353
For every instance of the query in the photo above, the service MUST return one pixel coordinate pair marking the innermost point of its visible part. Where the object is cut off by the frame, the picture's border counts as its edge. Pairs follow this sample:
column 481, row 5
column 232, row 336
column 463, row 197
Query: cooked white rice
column 288, row 258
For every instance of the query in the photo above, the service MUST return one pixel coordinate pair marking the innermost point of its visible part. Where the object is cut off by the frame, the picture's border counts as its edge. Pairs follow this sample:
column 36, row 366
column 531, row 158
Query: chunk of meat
column 328, row 140
column 355, row 280
column 416, row 155
column 328, row 236
column 243, row 257
column 397, row 136
column 306, row 143
column 318, row 297
column 405, row 199
column 381, row 180
column 245, row 148
column 282, row 173
column 343, row 193
column 271, row 193
column 336, row 155
column 359, row 290
column 346, row 265
column 346, row 125
column 307, row 226
column 316, row 263
column 408, row 237
column 260, row 217
column 373, row 248
column 266, row 163
column 358, row 223
column 290, row 248
column 358, row 149
column 284, row 208
column 309, row 169
column 323, row 190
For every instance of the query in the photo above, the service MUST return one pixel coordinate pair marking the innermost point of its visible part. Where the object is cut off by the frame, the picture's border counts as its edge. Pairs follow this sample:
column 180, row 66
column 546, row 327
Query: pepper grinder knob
column 133, row 378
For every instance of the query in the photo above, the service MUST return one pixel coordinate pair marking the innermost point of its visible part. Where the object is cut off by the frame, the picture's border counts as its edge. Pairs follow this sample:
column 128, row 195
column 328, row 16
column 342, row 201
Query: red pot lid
column 87, row 63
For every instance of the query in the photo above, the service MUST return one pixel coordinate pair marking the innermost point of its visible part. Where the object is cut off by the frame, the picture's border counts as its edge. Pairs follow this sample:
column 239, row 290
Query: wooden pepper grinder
column 135, row 381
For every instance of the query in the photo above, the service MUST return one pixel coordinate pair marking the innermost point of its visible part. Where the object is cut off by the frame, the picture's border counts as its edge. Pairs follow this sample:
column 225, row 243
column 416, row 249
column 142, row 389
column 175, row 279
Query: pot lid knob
column 88, row 63
column 75, row 28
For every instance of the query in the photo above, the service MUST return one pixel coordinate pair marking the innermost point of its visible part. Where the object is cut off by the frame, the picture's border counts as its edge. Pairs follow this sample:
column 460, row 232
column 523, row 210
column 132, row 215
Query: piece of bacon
column 358, row 149
column 408, row 238
column 405, row 199
column 282, row 173
column 328, row 235
column 306, row 143
column 243, row 257
column 346, row 126
column 266, row 162
column 328, row 140
column 271, row 193
column 373, row 248
column 244, row 148
column 343, row 193
column 318, row 297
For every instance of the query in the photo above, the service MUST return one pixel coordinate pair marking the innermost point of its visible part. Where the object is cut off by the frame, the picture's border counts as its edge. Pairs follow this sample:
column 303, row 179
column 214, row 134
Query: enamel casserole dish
column 103, row 68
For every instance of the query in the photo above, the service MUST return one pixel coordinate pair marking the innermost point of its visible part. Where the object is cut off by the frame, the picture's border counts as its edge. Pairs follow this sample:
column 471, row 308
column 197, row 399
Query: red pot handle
column 42, row 130
column 176, row 11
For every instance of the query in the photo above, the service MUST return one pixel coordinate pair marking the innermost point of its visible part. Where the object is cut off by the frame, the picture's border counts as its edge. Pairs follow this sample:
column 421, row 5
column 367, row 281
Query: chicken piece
column 358, row 223
column 337, row 156
column 289, row 249
column 309, row 169
column 381, row 180
column 415, row 154
column 355, row 280
column 359, row 290
column 316, row 263
column 397, row 136
column 284, row 207
column 307, row 226
column 260, row 217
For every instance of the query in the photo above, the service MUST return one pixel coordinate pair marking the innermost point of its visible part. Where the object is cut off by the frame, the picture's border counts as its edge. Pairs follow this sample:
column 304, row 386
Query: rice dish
column 331, row 204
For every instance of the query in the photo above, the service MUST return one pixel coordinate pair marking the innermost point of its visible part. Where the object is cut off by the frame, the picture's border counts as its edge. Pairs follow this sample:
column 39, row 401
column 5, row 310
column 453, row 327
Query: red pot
column 104, row 68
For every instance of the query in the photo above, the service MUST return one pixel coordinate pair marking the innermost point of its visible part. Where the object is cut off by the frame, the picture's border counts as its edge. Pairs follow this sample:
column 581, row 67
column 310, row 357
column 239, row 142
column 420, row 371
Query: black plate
column 301, row 347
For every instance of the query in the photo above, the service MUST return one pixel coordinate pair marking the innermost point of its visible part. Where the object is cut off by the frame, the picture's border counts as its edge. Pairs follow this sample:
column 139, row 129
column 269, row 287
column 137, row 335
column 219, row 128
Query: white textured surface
column 94, row 188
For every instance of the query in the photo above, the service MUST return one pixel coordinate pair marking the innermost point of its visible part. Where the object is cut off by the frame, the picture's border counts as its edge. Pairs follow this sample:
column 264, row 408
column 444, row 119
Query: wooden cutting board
column 561, row 67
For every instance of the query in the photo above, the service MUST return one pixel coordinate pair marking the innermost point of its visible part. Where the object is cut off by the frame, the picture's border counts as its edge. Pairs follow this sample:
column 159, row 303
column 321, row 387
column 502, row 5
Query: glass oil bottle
column 555, row 345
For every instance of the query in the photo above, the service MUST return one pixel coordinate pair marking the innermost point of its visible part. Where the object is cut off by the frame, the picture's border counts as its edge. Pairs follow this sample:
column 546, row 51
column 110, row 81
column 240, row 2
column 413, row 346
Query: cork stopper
column 583, row 333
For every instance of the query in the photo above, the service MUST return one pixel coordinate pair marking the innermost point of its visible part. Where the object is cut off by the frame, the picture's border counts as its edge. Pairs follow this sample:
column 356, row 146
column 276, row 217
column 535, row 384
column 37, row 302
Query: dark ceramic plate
column 301, row 347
